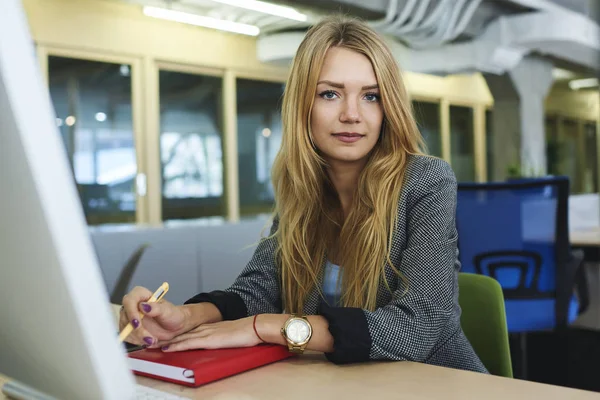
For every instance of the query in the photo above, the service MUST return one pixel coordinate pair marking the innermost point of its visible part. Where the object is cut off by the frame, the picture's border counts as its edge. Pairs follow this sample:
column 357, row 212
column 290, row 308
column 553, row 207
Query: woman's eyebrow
column 331, row 83
column 369, row 87
column 342, row 86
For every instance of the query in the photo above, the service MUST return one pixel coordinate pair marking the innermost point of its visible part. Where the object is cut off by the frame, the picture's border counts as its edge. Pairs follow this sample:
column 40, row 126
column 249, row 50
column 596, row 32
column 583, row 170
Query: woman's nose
column 350, row 112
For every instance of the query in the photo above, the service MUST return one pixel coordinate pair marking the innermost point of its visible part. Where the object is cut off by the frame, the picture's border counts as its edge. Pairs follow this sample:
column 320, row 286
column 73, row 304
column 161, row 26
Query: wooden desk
column 311, row 376
column 589, row 241
column 585, row 238
column 588, row 238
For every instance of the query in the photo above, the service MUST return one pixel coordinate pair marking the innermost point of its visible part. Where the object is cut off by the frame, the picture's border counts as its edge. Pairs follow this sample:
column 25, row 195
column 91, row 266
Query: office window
column 590, row 173
column 553, row 148
column 461, row 143
column 259, row 139
column 92, row 101
column 427, row 116
column 489, row 144
column 191, row 146
column 568, row 141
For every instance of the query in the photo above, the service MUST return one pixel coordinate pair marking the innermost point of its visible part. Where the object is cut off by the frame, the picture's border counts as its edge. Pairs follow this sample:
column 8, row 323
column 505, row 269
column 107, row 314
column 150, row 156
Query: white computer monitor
column 57, row 330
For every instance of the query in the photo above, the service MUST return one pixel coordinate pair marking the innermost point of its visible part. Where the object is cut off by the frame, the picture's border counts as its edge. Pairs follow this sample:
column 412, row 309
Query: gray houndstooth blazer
column 421, row 324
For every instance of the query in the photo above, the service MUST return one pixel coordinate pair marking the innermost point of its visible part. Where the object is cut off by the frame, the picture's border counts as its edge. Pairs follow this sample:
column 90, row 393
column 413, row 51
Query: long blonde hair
column 307, row 205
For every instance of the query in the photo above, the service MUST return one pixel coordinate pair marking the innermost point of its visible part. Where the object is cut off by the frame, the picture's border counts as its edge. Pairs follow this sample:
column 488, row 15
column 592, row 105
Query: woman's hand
column 162, row 320
column 225, row 334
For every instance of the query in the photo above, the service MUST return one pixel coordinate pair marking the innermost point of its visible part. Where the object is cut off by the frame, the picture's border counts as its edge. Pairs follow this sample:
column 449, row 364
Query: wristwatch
column 297, row 332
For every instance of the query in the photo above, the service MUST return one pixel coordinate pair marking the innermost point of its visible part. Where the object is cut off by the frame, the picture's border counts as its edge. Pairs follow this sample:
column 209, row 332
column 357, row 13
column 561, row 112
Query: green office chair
column 483, row 320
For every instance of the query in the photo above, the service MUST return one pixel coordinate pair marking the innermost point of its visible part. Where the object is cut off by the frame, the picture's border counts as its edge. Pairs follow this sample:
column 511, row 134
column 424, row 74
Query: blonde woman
column 361, row 262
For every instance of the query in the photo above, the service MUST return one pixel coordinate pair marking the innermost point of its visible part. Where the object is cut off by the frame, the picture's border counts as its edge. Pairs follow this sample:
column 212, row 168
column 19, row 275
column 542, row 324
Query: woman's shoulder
column 425, row 167
column 423, row 171
column 425, row 174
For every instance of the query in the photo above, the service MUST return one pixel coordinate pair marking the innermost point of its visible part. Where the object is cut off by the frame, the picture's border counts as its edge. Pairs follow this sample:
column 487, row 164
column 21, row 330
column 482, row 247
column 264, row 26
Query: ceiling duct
column 428, row 30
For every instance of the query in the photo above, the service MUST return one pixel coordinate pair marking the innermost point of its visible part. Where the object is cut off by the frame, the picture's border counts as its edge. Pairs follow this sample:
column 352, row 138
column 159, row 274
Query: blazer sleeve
column 410, row 326
column 256, row 290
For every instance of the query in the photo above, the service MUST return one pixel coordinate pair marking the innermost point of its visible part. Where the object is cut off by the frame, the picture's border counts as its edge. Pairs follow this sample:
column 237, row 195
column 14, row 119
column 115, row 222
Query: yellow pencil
column 159, row 294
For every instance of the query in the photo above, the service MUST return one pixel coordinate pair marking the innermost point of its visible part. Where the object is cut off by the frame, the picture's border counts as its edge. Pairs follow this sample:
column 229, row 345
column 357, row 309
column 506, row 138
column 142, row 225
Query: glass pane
column 259, row 138
column 590, row 178
column 461, row 143
column 92, row 101
column 489, row 144
column 427, row 116
column 191, row 147
column 553, row 149
column 569, row 155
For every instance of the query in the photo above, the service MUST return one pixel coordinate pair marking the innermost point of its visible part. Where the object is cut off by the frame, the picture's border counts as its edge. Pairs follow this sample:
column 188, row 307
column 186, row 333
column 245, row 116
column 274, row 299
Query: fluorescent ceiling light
column 562, row 74
column 199, row 20
column 267, row 8
column 577, row 84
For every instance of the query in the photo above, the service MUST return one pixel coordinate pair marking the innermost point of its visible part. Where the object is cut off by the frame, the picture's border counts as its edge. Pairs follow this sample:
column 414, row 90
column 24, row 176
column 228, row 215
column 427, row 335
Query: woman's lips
column 348, row 137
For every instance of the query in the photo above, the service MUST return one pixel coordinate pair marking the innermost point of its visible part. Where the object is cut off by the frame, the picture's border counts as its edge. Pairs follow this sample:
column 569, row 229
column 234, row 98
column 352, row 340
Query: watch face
column 298, row 331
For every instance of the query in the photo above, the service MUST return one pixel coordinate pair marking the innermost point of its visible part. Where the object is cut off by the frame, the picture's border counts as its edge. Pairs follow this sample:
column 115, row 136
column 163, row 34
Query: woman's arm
column 269, row 328
column 200, row 313
column 240, row 333
column 419, row 320
column 411, row 325
column 256, row 290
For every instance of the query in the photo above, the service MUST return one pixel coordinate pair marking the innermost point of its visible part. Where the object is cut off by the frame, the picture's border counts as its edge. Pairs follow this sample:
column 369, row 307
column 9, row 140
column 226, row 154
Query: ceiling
column 564, row 31
column 266, row 23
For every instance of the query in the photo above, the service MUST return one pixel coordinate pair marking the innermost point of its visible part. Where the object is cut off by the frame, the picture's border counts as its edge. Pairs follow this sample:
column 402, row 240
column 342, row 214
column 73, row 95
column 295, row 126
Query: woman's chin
column 347, row 157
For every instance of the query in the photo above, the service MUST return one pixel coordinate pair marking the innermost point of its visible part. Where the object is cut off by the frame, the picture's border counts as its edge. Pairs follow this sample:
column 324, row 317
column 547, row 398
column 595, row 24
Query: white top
column 332, row 284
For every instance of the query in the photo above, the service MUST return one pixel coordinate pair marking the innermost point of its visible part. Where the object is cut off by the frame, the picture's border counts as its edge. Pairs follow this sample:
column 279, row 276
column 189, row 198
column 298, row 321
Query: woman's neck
column 344, row 177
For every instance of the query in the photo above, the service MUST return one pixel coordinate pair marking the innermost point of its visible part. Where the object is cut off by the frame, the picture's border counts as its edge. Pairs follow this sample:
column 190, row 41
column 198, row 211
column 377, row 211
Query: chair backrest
column 483, row 320
column 122, row 286
column 517, row 233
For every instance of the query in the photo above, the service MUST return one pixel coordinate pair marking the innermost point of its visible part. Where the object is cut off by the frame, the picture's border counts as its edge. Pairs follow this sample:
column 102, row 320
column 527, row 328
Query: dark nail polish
column 135, row 323
column 146, row 308
column 164, row 347
column 148, row 340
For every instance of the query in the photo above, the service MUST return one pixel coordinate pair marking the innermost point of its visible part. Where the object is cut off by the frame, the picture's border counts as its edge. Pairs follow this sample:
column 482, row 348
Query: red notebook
column 198, row 367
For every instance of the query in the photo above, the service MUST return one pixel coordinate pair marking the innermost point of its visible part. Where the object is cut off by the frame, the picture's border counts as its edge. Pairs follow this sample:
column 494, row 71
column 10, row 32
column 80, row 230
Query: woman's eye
column 372, row 97
column 328, row 95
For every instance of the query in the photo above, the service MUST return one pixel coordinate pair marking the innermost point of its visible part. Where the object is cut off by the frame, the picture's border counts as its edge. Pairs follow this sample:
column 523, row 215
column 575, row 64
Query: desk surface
column 311, row 376
column 588, row 237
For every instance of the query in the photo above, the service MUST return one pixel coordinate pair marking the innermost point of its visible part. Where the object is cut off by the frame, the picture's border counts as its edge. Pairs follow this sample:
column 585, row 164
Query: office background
column 164, row 121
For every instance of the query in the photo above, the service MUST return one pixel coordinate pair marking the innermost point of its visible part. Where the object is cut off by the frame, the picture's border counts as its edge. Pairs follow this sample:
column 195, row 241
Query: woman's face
column 347, row 113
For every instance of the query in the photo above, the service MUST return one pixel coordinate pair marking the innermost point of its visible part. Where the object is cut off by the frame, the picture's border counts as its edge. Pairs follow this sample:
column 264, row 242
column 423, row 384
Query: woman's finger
column 130, row 304
column 123, row 322
column 122, row 319
column 169, row 316
column 141, row 336
column 131, row 301
column 155, row 309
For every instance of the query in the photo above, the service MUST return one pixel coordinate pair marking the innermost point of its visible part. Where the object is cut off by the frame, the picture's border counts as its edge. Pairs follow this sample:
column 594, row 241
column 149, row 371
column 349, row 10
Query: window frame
column 141, row 193
column 153, row 124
